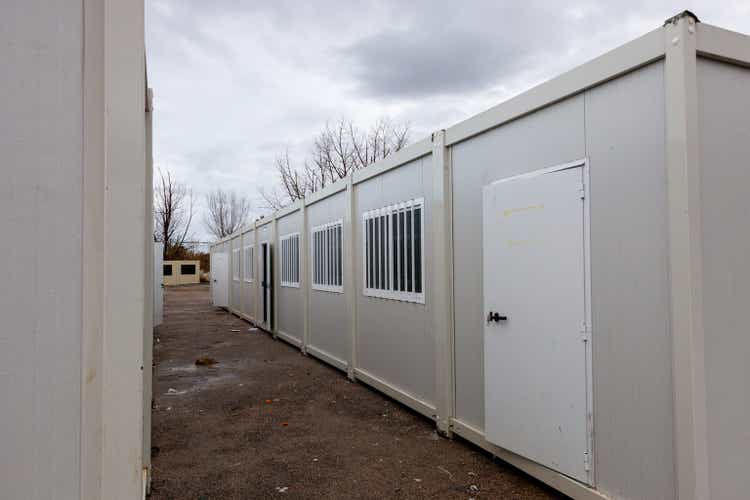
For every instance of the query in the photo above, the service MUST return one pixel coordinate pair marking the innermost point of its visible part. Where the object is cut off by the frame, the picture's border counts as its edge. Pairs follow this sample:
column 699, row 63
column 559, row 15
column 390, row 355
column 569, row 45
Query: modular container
column 561, row 280
column 181, row 272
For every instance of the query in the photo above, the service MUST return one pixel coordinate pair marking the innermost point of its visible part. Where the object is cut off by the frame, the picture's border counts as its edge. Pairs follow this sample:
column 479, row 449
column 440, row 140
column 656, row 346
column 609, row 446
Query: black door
column 270, row 287
column 267, row 285
column 264, row 282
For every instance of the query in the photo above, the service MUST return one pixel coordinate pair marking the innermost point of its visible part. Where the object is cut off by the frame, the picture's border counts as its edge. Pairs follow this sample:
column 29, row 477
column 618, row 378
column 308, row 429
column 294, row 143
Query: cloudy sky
column 238, row 82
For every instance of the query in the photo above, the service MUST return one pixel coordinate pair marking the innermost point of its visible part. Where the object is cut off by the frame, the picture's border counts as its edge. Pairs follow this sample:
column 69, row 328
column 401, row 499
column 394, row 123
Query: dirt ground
column 268, row 422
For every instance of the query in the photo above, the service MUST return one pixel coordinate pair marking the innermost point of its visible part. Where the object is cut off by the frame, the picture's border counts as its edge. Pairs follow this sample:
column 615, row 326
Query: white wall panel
column 41, row 200
column 630, row 286
column 291, row 313
column 329, row 317
column 544, row 139
column 394, row 339
column 724, row 107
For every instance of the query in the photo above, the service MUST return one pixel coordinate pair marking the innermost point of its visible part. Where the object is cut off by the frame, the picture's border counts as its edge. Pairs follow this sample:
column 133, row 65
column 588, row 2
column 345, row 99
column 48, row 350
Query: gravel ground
column 268, row 422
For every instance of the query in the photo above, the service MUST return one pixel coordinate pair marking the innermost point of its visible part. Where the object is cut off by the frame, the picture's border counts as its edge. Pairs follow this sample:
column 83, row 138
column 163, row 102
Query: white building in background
column 75, row 204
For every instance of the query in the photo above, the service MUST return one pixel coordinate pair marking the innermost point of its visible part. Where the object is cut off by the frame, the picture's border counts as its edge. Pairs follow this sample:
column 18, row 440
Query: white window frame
column 389, row 292
column 287, row 263
column 248, row 257
column 235, row 264
column 322, row 229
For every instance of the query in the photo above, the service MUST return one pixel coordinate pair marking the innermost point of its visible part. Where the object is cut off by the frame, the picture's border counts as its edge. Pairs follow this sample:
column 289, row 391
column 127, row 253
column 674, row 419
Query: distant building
column 181, row 272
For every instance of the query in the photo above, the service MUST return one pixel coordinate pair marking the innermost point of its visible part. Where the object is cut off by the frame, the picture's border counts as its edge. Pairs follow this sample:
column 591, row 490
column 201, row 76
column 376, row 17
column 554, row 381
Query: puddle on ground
column 184, row 368
column 204, row 382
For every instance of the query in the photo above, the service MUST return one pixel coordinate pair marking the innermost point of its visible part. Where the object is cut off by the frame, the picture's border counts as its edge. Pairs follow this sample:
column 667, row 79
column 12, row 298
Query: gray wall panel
column 291, row 313
column 41, row 46
column 546, row 138
column 724, row 104
column 394, row 339
column 329, row 316
column 632, row 343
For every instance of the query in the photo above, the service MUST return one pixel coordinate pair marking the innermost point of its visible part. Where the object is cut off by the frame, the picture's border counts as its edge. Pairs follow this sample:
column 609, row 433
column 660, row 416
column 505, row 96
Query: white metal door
column 535, row 341
column 158, row 283
column 220, row 279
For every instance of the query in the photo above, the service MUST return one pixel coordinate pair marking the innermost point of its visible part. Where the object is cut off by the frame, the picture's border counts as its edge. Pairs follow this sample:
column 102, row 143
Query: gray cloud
column 237, row 82
column 453, row 52
column 402, row 64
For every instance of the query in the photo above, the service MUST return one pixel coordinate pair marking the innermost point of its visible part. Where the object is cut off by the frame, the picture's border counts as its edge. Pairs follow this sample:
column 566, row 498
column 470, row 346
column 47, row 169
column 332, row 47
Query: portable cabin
column 181, row 272
column 75, row 199
column 561, row 280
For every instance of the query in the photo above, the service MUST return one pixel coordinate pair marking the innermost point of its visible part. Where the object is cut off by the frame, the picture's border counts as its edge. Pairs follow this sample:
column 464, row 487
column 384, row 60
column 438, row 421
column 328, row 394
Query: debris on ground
column 473, row 488
column 446, row 471
column 172, row 391
column 205, row 361
column 234, row 331
column 209, row 447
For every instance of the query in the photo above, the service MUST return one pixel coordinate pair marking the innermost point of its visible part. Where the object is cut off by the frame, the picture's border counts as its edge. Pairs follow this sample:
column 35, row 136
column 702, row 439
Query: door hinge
column 586, row 461
column 582, row 191
column 585, row 332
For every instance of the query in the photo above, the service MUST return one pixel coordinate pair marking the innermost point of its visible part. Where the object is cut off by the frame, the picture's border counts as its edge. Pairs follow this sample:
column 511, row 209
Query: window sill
column 414, row 298
column 329, row 289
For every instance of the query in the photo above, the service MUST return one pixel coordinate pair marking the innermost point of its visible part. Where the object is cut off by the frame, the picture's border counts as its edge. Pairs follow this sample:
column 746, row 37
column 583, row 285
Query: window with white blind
column 236, row 264
column 249, row 259
column 290, row 260
column 327, row 244
column 393, row 253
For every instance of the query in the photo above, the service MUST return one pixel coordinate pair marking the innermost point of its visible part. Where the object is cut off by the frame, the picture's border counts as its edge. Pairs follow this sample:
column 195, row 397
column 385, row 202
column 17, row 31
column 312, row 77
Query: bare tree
column 273, row 199
column 227, row 212
column 382, row 139
column 337, row 150
column 173, row 213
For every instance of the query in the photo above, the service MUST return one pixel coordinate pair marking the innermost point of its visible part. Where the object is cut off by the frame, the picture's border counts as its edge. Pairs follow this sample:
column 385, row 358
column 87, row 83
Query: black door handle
column 493, row 316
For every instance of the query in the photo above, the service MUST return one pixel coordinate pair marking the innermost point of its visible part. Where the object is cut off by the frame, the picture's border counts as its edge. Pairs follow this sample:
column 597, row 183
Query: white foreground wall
column 662, row 126
column 74, row 206
column 723, row 105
